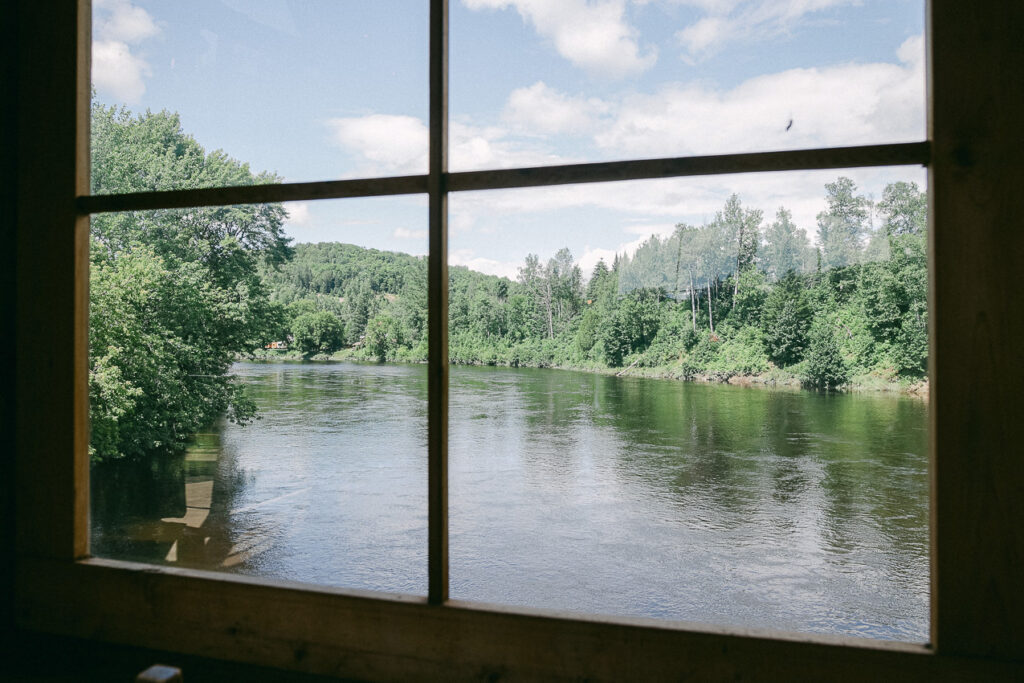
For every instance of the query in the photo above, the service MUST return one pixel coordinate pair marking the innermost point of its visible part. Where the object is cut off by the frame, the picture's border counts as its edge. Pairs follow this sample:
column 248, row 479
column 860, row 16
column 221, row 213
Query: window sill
column 370, row 635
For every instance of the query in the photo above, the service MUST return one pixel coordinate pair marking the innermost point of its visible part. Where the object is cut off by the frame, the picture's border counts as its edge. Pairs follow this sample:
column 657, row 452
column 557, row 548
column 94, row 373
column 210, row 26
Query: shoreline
column 773, row 379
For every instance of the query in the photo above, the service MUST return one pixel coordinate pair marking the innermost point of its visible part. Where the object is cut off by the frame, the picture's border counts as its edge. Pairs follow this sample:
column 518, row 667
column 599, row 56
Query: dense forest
column 737, row 296
column 176, row 296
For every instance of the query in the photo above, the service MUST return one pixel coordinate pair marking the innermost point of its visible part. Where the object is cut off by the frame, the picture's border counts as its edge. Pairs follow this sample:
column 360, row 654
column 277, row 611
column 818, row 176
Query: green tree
column 904, row 208
column 752, row 291
column 158, row 361
column 175, row 296
column 538, row 287
column 825, row 368
column 786, row 320
column 633, row 326
column 894, row 294
column 319, row 332
column 844, row 226
column 383, row 337
column 687, row 266
column 739, row 232
column 786, row 247
column 566, row 286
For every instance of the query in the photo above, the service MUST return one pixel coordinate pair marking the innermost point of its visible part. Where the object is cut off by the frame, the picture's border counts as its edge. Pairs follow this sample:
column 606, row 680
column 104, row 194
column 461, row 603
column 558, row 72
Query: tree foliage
column 678, row 302
column 317, row 332
column 826, row 368
column 786, row 319
column 175, row 296
column 843, row 228
column 786, row 247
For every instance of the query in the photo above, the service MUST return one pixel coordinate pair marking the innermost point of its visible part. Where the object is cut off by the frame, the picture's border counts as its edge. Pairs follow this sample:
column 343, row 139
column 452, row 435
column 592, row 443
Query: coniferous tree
column 844, row 226
column 786, row 320
column 826, row 368
column 786, row 247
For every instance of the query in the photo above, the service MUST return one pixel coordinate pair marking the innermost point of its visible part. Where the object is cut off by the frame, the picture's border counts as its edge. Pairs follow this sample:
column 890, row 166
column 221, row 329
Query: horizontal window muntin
column 813, row 159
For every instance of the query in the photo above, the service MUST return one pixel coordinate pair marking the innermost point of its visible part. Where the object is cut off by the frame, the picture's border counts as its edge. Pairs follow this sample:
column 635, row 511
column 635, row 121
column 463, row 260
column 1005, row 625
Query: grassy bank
column 877, row 381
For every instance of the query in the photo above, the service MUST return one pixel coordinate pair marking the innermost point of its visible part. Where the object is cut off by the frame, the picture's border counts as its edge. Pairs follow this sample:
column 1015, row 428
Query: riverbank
column 774, row 378
column 780, row 378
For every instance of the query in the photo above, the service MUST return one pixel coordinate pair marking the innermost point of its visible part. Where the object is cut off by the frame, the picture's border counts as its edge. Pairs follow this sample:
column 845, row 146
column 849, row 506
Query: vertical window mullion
column 437, row 323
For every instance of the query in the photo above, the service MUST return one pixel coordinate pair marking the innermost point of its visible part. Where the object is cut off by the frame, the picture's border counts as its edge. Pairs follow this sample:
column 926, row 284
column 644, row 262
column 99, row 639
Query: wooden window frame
column 974, row 157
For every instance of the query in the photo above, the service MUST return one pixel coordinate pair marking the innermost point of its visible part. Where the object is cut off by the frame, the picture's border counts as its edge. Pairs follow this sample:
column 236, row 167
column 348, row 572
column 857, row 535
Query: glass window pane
column 707, row 400
column 537, row 83
column 259, row 406
column 303, row 91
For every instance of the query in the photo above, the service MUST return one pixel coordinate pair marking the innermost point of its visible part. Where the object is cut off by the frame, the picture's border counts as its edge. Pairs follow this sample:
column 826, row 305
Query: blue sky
column 318, row 90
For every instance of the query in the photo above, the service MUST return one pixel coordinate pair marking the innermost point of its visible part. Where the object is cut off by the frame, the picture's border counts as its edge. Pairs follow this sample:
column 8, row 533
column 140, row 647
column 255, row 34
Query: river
column 729, row 505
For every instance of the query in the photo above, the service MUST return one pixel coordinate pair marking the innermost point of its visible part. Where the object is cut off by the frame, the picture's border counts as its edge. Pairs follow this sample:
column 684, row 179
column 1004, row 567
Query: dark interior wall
column 8, row 214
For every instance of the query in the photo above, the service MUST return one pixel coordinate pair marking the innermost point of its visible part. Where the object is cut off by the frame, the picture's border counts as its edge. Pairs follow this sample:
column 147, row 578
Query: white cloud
column 647, row 229
column 298, row 213
column 406, row 234
column 118, row 72
column 593, row 35
column 626, row 214
column 591, row 256
column 837, row 105
column 700, row 36
column 539, row 109
column 845, row 104
column 735, row 20
column 390, row 143
column 116, row 69
column 834, row 105
column 475, row 147
column 912, row 52
column 468, row 258
column 119, row 20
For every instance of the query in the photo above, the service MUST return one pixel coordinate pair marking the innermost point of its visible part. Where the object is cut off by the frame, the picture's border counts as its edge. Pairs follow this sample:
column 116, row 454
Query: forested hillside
column 736, row 296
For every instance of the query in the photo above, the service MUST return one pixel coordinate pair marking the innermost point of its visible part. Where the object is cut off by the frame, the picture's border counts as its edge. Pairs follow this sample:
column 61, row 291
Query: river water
column 711, row 503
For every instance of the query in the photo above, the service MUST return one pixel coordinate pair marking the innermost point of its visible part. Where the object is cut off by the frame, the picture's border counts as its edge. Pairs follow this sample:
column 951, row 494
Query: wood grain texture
column 377, row 637
column 977, row 327
column 52, row 282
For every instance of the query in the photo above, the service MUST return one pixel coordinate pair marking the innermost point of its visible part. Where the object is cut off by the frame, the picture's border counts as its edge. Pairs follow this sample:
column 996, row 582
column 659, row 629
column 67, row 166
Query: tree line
column 738, row 295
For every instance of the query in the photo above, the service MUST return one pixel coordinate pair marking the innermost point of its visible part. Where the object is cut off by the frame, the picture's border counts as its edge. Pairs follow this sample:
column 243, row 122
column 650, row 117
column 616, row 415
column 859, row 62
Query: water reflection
column 328, row 487
column 171, row 509
column 780, row 509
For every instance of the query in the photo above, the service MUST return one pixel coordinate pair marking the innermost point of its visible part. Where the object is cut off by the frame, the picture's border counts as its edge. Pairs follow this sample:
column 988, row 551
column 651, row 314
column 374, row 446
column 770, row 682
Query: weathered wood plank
column 977, row 327
column 380, row 637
